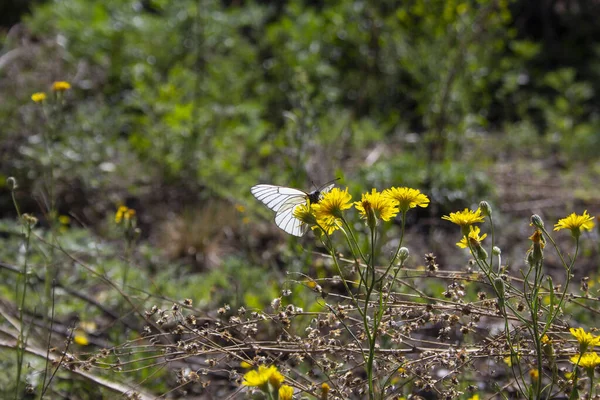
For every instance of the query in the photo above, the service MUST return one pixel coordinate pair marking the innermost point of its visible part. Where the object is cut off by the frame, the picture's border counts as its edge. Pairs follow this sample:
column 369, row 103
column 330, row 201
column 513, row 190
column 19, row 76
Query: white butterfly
column 284, row 200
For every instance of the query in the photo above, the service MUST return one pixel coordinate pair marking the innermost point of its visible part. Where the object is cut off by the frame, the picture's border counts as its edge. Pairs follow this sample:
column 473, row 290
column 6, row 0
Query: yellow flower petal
column 407, row 198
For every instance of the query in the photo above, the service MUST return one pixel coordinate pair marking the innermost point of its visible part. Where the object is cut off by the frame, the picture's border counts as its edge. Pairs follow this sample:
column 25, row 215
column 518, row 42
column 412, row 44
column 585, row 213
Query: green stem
column 21, row 342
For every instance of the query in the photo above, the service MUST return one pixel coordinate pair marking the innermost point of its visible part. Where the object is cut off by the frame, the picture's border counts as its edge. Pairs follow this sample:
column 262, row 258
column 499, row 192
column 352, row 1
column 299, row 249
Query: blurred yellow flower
column 587, row 360
column 240, row 208
column 124, row 213
column 534, row 374
column 324, row 391
column 260, row 377
column 384, row 207
column 276, row 379
column 575, row 223
column 81, row 338
column 286, row 392
column 60, row 86
column 407, row 198
column 546, row 339
column 473, row 237
column 38, row 97
column 119, row 214
column 245, row 364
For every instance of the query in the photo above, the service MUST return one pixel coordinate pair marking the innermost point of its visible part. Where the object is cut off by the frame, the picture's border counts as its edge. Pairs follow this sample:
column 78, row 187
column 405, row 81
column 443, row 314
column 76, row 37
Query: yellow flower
column 407, row 198
column 276, row 379
column 575, row 223
column 81, row 338
column 286, row 392
column 60, row 86
column 328, row 225
column 240, row 208
column 124, row 213
column 587, row 361
column 546, row 339
column 534, row 374
column 38, row 97
column 465, row 219
column 384, row 207
column 260, row 377
column 306, row 214
column 245, row 364
column 538, row 238
column 474, row 397
column 119, row 214
column 473, row 237
column 130, row 214
column 332, row 204
column 324, row 391
column 585, row 339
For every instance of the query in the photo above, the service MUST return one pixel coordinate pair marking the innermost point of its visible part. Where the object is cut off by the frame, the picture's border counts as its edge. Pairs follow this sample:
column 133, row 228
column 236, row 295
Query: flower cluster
column 328, row 214
column 57, row 87
column 584, row 359
column 124, row 213
column 270, row 381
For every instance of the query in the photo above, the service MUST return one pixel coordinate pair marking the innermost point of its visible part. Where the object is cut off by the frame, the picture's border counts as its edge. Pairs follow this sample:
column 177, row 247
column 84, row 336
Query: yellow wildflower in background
column 585, row 339
column 407, row 198
column 245, row 364
column 286, row 392
column 534, row 374
column 124, row 213
column 587, row 361
column 81, row 338
column 575, row 223
column 276, row 379
column 38, row 97
column 60, row 86
column 384, row 207
column 473, row 236
column 324, row 391
column 260, row 377
column 332, row 204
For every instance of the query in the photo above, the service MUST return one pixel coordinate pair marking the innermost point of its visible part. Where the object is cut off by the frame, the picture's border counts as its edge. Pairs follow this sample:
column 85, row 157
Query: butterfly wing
column 275, row 197
column 286, row 220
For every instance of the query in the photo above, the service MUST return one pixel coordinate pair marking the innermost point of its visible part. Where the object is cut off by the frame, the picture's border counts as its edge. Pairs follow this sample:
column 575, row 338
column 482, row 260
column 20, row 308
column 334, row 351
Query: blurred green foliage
column 217, row 96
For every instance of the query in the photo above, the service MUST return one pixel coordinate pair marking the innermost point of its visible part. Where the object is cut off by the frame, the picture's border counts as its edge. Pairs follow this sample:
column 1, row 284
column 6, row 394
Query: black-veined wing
column 284, row 200
column 285, row 217
column 276, row 196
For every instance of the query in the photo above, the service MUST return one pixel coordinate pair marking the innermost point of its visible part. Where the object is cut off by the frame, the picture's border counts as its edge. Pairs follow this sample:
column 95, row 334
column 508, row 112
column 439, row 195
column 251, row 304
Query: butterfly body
column 284, row 200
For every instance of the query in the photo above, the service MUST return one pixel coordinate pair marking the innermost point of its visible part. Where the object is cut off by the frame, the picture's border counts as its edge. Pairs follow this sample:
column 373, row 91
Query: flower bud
column 486, row 209
column 403, row 254
column 500, row 287
column 370, row 213
column 480, row 253
column 30, row 220
column 12, row 183
column 536, row 221
column 496, row 251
